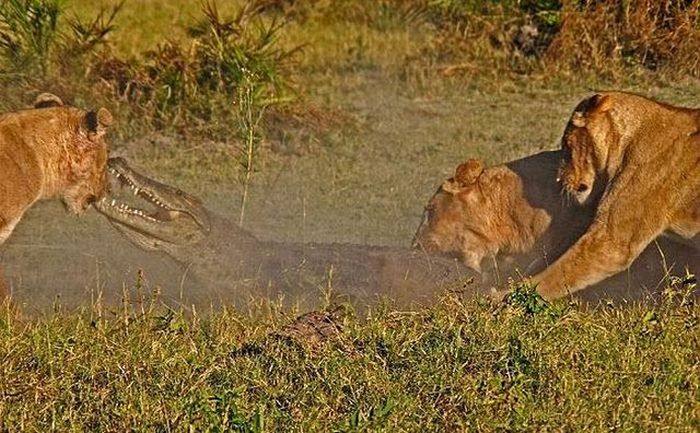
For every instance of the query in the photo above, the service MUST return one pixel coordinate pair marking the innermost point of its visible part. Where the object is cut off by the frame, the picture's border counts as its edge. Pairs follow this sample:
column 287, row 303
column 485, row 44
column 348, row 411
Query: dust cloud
column 85, row 262
column 54, row 260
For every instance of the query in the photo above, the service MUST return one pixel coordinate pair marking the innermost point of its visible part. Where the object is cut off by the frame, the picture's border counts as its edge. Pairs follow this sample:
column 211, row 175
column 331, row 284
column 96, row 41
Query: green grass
column 143, row 24
column 458, row 366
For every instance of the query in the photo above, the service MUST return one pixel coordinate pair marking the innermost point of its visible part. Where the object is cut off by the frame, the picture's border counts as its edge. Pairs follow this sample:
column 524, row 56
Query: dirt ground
column 364, row 181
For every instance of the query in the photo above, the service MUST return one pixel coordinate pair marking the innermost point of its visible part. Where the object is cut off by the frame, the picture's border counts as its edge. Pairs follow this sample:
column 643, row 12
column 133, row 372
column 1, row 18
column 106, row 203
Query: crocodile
column 230, row 258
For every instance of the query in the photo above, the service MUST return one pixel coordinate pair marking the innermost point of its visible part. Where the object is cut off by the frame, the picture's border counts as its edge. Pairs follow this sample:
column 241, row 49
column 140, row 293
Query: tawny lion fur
column 510, row 219
column 640, row 161
column 52, row 151
column 507, row 211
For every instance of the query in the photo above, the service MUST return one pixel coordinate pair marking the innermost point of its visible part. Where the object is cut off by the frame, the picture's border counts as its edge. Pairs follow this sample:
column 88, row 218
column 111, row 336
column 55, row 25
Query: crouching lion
column 510, row 220
column 51, row 151
column 511, row 212
column 639, row 160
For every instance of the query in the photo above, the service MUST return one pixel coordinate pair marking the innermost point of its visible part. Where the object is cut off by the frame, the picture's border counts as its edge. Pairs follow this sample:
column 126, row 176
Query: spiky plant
column 28, row 33
column 35, row 39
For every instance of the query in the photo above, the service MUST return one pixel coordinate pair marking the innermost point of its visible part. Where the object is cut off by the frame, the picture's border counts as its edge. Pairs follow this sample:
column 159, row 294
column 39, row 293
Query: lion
column 639, row 161
column 50, row 151
column 510, row 221
column 511, row 213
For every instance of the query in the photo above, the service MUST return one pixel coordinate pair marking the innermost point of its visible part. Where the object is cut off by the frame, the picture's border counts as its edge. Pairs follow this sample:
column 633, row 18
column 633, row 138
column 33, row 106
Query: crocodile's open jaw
column 177, row 217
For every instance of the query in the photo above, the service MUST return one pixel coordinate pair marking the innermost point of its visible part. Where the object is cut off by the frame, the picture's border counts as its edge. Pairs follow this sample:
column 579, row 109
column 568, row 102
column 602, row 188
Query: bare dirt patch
column 362, row 184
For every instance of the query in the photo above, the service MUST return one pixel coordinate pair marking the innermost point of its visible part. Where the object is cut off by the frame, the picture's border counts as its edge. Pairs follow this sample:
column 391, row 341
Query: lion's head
column 512, row 212
column 464, row 216
column 587, row 138
column 76, row 142
column 88, row 171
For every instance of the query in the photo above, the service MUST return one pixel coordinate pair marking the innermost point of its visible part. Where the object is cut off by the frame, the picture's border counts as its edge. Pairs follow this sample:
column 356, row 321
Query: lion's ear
column 468, row 171
column 466, row 174
column 46, row 100
column 595, row 104
column 97, row 122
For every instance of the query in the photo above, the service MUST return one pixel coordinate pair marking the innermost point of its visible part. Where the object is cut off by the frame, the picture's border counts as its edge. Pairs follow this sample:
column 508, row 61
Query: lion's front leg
column 600, row 253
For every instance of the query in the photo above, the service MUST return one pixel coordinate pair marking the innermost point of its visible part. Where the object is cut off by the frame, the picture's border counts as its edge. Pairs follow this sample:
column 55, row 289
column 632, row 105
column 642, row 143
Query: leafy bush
column 29, row 32
column 198, row 82
column 35, row 42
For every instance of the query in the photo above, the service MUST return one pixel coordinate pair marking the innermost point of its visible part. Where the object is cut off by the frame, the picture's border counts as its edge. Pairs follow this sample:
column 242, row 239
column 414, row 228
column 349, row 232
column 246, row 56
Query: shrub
column 34, row 41
column 198, row 82
column 607, row 37
column 599, row 37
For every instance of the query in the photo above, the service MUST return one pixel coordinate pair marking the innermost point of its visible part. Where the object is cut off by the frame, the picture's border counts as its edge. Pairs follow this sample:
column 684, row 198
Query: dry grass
column 156, row 66
column 611, row 38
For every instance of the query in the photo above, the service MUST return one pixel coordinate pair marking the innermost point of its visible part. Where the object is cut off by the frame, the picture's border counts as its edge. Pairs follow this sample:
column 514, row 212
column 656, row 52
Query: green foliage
column 220, row 413
column 199, row 83
column 85, row 36
column 547, row 13
column 29, row 31
column 35, row 38
column 238, row 49
column 239, row 57
column 526, row 298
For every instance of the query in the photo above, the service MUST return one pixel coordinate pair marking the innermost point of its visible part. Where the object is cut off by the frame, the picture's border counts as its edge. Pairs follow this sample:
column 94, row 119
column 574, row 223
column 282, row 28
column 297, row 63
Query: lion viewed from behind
column 51, row 151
